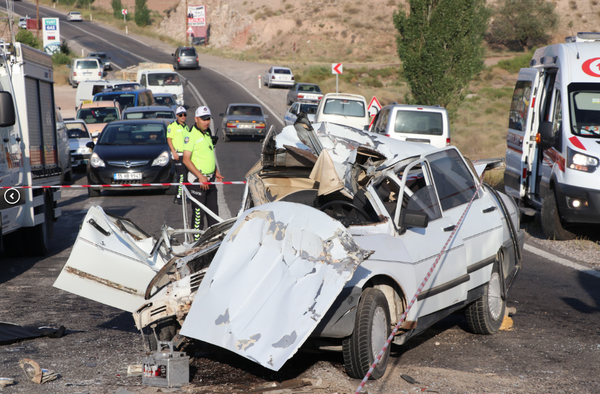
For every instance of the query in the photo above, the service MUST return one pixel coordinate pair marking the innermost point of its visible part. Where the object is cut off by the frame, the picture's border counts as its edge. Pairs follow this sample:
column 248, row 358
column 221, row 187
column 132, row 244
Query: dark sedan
column 244, row 120
column 131, row 152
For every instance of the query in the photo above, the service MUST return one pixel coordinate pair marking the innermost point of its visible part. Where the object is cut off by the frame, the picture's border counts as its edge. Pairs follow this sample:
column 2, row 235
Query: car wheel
column 176, row 66
column 371, row 331
column 162, row 331
column 38, row 237
column 551, row 224
column 269, row 85
column 93, row 192
column 485, row 315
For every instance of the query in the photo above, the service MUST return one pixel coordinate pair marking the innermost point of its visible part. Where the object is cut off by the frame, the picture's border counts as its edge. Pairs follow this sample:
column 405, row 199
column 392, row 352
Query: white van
column 87, row 89
column 414, row 123
column 85, row 69
column 345, row 109
column 162, row 81
column 553, row 141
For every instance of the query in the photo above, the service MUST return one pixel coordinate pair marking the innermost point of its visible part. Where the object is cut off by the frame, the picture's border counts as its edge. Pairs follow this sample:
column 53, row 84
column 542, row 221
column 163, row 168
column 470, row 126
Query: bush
column 60, row 58
column 64, row 47
column 315, row 74
column 26, row 37
column 516, row 63
column 142, row 13
column 117, row 7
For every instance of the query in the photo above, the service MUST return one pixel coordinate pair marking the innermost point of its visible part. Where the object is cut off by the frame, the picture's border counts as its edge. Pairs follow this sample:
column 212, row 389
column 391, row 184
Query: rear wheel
column 551, row 224
column 371, row 331
column 485, row 315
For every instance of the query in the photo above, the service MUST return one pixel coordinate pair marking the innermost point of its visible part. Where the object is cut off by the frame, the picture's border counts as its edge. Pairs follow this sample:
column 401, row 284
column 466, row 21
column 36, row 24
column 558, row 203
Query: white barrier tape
column 125, row 185
column 414, row 299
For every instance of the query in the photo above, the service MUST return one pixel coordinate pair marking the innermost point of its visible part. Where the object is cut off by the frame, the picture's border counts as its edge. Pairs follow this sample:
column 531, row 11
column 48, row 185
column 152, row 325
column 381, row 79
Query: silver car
column 150, row 112
column 185, row 57
column 79, row 136
column 279, row 76
column 292, row 113
column 304, row 92
column 244, row 120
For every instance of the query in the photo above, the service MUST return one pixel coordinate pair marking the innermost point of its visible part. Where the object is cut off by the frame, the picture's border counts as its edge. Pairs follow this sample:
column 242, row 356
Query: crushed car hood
column 276, row 274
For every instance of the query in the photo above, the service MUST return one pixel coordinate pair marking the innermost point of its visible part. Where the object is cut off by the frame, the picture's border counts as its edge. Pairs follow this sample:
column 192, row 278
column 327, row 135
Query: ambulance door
column 522, row 128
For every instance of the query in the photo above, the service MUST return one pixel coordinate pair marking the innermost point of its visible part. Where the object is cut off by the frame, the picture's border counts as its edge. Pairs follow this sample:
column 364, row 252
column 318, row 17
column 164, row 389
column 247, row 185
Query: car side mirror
column 411, row 218
column 546, row 135
column 90, row 145
column 7, row 110
column 172, row 54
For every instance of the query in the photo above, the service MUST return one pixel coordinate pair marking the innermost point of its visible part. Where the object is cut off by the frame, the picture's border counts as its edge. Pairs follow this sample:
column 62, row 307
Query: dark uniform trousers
column 181, row 172
column 206, row 197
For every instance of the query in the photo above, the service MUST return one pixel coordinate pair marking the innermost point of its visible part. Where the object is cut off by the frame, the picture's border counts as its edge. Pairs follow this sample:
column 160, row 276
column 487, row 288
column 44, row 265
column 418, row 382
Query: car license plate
column 187, row 60
column 245, row 126
column 87, row 73
column 128, row 176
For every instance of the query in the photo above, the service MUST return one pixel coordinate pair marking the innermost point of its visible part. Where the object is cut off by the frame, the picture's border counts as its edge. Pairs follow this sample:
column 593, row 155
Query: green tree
column 142, row 13
column 117, row 7
column 85, row 3
column 27, row 38
column 440, row 45
column 525, row 21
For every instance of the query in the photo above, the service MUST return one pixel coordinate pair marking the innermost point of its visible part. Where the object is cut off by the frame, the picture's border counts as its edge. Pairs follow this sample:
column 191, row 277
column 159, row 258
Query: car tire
column 551, row 224
column 93, row 192
column 38, row 237
column 176, row 66
column 372, row 328
column 269, row 85
column 162, row 331
column 485, row 315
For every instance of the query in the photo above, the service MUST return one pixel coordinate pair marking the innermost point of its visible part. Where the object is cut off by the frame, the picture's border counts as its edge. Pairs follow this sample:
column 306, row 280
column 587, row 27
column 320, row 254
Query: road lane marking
column 565, row 262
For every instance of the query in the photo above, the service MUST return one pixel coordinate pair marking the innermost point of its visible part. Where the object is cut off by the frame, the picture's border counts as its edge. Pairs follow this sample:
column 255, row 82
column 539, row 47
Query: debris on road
column 6, row 382
column 35, row 373
column 408, row 379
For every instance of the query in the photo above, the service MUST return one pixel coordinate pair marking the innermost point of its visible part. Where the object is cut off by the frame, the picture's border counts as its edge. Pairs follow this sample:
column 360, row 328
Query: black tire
column 13, row 244
column 93, row 192
column 372, row 328
column 485, row 315
column 163, row 331
column 551, row 224
column 38, row 237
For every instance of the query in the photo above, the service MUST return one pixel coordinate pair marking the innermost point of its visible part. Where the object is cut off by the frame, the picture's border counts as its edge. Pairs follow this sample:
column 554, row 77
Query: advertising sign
column 196, row 15
column 51, row 35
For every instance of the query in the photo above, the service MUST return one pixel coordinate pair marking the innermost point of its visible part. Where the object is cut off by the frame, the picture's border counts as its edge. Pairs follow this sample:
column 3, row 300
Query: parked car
column 279, row 76
column 132, row 151
column 414, row 123
column 244, row 120
column 98, row 114
column 152, row 112
column 167, row 99
column 345, row 109
column 304, row 92
column 79, row 136
column 335, row 235
column 74, row 16
column 23, row 22
column 126, row 97
column 292, row 113
column 104, row 59
column 185, row 57
column 85, row 69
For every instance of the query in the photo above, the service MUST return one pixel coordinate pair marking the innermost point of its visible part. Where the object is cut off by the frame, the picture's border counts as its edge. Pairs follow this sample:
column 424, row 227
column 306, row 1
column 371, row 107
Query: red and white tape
column 419, row 290
column 125, row 185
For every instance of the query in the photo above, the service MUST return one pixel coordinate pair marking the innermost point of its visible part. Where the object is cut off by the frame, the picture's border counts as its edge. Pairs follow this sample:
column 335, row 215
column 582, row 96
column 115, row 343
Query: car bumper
column 188, row 65
column 79, row 160
column 589, row 212
column 245, row 132
column 154, row 174
column 282, row 83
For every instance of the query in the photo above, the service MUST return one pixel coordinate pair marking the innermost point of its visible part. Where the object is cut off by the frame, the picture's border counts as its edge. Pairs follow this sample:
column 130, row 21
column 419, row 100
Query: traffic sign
column 124, row 11
column 190, row 30
column 337, row 68
column 374, row 106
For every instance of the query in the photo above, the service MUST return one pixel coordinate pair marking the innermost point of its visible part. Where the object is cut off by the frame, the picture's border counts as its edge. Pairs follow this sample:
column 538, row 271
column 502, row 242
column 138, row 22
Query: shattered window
column 454, row 182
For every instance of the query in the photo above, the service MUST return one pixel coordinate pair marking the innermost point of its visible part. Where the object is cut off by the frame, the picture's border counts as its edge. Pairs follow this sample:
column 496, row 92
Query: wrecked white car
column 337, row 230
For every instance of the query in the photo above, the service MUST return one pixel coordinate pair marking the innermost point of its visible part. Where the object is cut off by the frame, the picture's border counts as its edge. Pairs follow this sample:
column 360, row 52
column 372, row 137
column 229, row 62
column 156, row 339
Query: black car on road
column 131, row 152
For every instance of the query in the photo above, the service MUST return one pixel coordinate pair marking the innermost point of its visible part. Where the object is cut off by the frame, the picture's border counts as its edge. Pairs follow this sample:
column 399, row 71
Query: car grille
column 128, row 164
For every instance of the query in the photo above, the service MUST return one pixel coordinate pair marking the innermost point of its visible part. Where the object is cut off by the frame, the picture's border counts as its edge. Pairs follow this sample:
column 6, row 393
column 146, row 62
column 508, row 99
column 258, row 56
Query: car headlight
column 162, row 160
column 96, row 161
column 580, row 162
column 83, row 150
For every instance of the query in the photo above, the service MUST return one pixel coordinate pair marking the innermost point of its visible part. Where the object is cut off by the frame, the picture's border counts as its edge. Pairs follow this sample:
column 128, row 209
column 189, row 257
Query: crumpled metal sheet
column 276, row 274
column 108, row 264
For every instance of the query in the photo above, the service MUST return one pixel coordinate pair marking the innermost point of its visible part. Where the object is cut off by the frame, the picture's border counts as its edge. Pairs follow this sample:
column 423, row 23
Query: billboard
column 51, row 35
column 196, row 15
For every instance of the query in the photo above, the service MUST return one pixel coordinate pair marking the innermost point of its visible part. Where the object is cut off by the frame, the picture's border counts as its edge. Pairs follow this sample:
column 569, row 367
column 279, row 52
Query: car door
column 481, row 228
column 291, row 115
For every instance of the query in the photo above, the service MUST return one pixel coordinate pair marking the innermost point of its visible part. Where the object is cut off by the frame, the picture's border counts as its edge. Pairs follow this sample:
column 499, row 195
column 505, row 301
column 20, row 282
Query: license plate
column 187, row 60
column 87, row 73
column 128, row 176
column 245, row 126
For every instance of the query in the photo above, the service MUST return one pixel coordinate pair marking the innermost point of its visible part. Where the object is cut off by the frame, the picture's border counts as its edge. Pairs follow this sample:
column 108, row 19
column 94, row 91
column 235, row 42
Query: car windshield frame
column 95, row 115
column 161, row 79
column 244, row 110
column 77, row 130
column 86, row 65
column 149, row 114
column 133, row 133
column 344, row 107
column 584, row 110
column 122, row 98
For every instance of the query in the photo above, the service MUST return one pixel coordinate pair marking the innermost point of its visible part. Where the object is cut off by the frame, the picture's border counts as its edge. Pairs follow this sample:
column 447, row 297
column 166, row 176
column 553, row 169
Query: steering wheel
column 339, row 214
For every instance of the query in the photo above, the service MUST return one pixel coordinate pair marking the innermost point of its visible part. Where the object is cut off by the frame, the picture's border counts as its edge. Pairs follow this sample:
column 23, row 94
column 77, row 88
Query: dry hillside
column 330, row 28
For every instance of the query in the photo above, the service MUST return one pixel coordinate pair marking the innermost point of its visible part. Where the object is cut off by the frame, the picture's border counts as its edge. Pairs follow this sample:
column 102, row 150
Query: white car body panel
column 287, row 263
column 114, row 270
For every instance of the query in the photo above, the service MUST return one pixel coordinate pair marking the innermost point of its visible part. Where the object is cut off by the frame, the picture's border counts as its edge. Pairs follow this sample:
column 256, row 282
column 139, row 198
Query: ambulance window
column 557, row 122
column 546, row 97
column 519, row 106
column 584, row 108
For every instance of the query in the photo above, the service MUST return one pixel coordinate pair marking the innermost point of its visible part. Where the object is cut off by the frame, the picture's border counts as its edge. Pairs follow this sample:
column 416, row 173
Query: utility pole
column 37, row 18
column 186, row 20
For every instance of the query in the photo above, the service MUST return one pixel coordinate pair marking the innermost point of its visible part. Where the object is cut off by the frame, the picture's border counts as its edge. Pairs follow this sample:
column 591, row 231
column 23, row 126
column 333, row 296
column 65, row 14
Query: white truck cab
column 553, row 141
column 162, row 81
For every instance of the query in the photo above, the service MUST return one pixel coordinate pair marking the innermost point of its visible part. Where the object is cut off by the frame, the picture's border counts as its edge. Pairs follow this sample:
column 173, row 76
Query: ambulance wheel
column 40, row 235
column 372, row 328
column 551, row 224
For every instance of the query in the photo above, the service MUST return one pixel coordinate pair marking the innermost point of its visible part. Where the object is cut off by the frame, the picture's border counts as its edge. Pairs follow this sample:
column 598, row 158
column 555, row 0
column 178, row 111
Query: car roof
column 306, row 83
column 282, row 68
column 256, row 105
column 166, row 122
column 101, row 104
column 149, row 108
column 124, row 91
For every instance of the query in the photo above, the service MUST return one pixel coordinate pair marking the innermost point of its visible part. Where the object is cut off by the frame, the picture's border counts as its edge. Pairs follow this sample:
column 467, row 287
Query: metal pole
column 336, row 82
column 37, row 18
column 186, row 19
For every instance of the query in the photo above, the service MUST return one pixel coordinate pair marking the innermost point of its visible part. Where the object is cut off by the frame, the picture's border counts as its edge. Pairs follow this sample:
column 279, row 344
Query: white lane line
column 565, row 262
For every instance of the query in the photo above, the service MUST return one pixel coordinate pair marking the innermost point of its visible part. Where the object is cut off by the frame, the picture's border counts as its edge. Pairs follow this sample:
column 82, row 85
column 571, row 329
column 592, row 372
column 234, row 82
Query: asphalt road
column 554, row 345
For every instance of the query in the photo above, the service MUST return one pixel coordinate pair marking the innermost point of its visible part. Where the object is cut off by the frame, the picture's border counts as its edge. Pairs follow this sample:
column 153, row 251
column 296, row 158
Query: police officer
column 199, row 158
column 176, row 133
